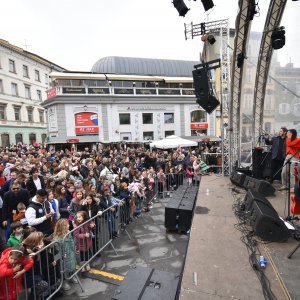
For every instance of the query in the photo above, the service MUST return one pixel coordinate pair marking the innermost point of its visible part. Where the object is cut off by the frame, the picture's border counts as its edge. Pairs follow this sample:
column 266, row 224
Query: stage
column 217, row 263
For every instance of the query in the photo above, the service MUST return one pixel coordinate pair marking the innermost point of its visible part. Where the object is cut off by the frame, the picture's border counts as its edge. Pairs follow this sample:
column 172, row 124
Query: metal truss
column 220, row 28
column 273, row 19
column 242, row 29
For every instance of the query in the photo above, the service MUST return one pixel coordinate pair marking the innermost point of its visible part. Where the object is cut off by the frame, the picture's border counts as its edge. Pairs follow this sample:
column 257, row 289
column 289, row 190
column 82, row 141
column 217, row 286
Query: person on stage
column 278, row 151
column 292, row 157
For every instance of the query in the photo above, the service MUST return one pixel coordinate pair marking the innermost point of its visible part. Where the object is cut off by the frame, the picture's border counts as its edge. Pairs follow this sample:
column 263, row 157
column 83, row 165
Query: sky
column 76, row 33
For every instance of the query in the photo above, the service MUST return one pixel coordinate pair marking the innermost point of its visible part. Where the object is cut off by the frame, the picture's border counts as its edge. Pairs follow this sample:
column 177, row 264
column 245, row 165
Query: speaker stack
column 147, row 284
column 261, row 186
column 264, row 219
column 179, row 210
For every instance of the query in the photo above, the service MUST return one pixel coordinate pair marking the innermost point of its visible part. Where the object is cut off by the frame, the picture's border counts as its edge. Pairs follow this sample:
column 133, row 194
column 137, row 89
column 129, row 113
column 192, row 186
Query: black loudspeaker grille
column 208, row 103
column 237, row 178
column 201, row 83
column 266, row 223
column 207, row 4
column 261, row 186
column 252, row 196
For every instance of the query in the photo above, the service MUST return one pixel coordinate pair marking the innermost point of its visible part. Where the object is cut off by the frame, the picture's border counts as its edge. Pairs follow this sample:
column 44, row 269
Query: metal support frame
column 273, row 20
column 242, row 27
column 220, row 28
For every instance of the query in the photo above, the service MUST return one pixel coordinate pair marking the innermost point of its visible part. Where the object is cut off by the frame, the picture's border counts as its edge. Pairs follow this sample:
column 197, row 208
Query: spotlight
column 207, row 4
column 181, row 7
column 278, row 38
column 240, row 59
column 211, row 39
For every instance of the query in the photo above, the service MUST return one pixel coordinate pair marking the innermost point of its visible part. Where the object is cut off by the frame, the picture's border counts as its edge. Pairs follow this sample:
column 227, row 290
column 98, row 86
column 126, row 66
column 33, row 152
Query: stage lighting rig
column 253, row 10
column 278, row 38
column 240, row 59
column 181, row 7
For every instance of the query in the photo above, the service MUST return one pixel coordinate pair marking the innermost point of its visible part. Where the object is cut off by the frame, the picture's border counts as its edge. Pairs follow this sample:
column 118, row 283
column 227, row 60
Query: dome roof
column 144, row 66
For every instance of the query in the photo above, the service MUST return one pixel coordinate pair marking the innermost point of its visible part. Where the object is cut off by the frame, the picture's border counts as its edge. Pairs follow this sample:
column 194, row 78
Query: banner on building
column 86, row 123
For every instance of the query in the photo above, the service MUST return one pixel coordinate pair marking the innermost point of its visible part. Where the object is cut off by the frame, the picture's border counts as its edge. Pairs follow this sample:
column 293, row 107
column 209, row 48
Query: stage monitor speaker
column 261, row 186
column 237, row 178
column 252, row 196
column 266, row 223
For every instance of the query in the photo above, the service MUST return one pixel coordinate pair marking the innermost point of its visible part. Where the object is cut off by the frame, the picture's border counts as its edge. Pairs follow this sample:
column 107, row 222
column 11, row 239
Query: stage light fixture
column 240, row 59
column 278, row 38
column 211, row 39
column 252, row 10
column 207, row 4
column 181, row 7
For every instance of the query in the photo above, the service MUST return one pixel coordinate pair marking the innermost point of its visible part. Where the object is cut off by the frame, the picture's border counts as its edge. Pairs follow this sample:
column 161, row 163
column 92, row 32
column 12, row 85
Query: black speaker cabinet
column 172, row 214
column 185, row 215
column 147, row 284
column 237, row 178
column 252, row 196
column 207, row 4
column 266, row 223
column 201, row 83
column 261, row 186
column 209, row 103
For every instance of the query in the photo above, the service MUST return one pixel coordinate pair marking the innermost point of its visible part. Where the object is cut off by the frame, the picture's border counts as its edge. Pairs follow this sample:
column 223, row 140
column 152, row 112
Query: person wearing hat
column 35, row 182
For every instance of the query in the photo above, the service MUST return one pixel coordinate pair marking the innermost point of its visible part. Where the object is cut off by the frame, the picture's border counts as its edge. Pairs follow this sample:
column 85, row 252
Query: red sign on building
column 51, row 93
column 199, row 125
column 86, row 123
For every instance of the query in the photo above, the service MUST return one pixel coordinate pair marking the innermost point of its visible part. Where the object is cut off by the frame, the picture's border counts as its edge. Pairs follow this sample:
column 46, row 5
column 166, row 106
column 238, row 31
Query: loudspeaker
column 266, row 223
column 172, row 213
column 147, row 284
column 208, row 103
column 201, row 83
column 237, row 178
column 185, row 214
column 261, row 186
column 262, row 164
column 252, row 196
column 207, row 4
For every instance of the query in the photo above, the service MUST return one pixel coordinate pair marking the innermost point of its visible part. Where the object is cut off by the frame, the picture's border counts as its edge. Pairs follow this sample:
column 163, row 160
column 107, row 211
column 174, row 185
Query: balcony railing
column 71, row 90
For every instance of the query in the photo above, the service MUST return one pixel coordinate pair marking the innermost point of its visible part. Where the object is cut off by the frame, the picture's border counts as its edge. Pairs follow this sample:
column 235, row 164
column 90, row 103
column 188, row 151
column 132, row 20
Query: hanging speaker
column 201, row 83
column 207, row 4
column 208, row 103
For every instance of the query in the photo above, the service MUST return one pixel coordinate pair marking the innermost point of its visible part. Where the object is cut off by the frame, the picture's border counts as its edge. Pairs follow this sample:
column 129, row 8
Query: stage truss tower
column 219, row 28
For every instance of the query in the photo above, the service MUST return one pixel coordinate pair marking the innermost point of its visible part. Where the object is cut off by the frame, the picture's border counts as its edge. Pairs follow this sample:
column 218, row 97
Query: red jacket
column 14, row 286
column 293, row 147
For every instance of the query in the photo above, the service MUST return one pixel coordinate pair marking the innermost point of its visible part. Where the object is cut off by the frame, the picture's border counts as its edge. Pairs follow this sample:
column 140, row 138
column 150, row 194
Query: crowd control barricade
column 42, row 281
column 170, row 184
column 100, row 230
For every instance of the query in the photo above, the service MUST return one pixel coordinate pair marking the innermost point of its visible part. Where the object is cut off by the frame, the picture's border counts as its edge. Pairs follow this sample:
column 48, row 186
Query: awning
column 68, row 139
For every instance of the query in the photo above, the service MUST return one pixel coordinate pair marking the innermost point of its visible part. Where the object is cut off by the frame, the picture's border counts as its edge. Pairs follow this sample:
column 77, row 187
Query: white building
column 122, row 98
column 24, row 79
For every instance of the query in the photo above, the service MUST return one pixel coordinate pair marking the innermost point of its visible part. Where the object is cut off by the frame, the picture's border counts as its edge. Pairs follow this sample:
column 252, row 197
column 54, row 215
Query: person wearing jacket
column 35, row 182
column 292, row 156
column 278, row 150
column 13, row 264
column 40, row 212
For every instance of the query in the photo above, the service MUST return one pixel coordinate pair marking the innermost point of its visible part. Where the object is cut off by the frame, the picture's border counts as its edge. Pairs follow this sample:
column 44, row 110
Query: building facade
column 24, row 79
column 125, row 99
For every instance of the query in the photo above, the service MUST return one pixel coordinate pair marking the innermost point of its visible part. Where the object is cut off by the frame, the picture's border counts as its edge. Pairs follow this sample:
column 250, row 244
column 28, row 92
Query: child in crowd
column 19, row 214
column 75, row 205
column 34, row 280
column 16, row 235
column 68, row 249
column 189, row 175
column 83, row 237
column 55, row 205
column 13, row 264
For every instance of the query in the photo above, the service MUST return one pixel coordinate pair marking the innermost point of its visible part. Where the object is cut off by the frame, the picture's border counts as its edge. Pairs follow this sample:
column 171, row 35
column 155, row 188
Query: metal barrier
column 170, row 183
column 42, row 281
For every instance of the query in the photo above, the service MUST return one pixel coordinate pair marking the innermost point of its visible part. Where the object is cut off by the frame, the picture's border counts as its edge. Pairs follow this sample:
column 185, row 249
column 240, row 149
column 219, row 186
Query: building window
column 148, row 118
column 37, row 75
column 248, row 75
column 198, row 116
column 12, row 66
column 14, row 89
column 17, row 110
column 248, row 101
column 46, row 79
column 2, row 111
column 39, row 95
column 32, row 138
column 284, row 85
column 25, row 71
column 41, row 116
column 169, row 132
column 169, row 118
column 5, row 140
column 268, row 127
column 27, row 92
column 148, row 135
column 30, row 114
column 44, row 136
column 1, row 86
column 19, row 138
column 284, row 108
column 124, row 119
column 268, row 102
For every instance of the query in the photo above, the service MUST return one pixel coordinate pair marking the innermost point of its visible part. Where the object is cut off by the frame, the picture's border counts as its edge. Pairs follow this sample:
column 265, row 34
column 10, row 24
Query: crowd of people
column 45, row 193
